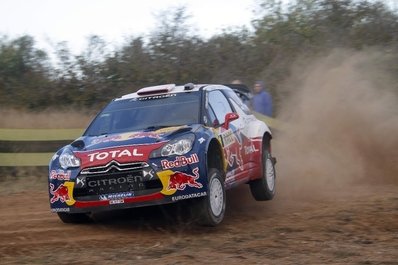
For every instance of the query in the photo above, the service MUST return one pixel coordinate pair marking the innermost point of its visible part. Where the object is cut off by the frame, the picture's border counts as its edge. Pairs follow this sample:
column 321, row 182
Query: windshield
column 147, row 113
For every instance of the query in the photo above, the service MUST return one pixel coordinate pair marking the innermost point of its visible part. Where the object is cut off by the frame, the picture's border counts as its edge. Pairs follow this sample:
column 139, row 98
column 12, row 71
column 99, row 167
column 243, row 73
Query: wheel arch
column 267, row 138
column 215, row 156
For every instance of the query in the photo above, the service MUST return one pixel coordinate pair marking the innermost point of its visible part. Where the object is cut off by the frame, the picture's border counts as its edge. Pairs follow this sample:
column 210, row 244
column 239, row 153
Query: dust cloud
column 340, row 125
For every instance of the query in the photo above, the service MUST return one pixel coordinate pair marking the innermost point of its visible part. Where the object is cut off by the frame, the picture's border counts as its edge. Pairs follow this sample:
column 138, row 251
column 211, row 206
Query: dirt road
column 356, row 227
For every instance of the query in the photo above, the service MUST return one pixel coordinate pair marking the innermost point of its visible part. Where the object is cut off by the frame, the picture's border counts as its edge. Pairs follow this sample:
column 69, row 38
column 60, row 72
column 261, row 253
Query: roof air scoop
column 155, row 90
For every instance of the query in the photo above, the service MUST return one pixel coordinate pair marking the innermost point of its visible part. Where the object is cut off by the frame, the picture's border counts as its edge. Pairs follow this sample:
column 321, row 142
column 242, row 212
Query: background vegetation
column 173, row 53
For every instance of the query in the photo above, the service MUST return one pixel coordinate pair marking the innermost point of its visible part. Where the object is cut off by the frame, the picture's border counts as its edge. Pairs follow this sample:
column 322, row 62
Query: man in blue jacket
column 261, row 101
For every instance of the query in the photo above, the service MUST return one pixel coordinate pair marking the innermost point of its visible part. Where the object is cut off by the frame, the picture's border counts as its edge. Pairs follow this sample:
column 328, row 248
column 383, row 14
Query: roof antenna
column 189, row 86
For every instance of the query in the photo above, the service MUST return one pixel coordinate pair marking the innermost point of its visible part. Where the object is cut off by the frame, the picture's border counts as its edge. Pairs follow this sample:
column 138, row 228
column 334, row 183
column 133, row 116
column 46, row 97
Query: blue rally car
column 161, row 145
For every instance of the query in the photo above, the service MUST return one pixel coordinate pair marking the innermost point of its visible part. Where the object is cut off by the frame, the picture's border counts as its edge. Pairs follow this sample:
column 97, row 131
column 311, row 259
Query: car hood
column 91, row 143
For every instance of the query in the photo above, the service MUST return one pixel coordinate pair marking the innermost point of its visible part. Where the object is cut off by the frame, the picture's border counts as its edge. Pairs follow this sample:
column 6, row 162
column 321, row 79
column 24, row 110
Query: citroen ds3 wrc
column 160, row 145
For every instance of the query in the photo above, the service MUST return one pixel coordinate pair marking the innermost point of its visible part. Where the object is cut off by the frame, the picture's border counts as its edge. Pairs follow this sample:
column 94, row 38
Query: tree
column 24, row 73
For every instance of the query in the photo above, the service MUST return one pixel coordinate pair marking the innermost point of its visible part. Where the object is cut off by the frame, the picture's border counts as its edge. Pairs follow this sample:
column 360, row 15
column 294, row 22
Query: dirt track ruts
column 354, row 228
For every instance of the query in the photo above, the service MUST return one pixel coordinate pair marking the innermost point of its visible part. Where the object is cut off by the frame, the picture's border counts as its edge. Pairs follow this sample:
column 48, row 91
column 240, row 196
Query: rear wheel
column 263, row 189
column 210, row 209
column 76, row 218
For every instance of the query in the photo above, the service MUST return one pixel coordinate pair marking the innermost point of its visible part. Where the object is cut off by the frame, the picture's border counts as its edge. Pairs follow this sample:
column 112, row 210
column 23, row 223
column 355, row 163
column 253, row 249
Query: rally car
column 161, row 145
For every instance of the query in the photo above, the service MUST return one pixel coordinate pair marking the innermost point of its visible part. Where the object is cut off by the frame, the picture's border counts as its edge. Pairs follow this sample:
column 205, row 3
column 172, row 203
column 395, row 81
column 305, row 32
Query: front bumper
column 120, row 186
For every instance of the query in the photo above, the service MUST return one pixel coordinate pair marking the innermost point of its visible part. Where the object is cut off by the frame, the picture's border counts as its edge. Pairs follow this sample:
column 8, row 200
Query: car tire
column 75, row 218
column 210, row 210
column 263, row 189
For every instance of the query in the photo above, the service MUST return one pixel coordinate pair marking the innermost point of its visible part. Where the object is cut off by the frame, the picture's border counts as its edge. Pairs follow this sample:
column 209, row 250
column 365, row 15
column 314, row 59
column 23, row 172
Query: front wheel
column 263, row 189
column 210, row 210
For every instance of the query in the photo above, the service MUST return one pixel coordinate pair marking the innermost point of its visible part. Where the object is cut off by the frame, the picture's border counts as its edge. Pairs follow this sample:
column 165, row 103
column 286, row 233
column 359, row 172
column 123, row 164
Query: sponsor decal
column 116, row 196
column 201, row 140
column 179, row 180
column 228, row 138
column 250, row 149
column 63, row 193
column 60, row 174
column 157, row 97
column 174, row 180
column 233, row 154
column 189, row 196
column 114, row 154
column 55, row 156
column 180, row 161
column 232, row 147
column 144, row 135
column 106, row 139
column 60, row 210
column 130, row 179
column 121, row 154
column 116, row 201
column 124, row 137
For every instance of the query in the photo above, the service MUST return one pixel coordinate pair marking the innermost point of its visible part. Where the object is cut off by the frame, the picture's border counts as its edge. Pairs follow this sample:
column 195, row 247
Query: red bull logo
column 180, row 161
column 179, row 180
column 233, row 153
column 232, row 148
column 63, row 193
column 60, row 174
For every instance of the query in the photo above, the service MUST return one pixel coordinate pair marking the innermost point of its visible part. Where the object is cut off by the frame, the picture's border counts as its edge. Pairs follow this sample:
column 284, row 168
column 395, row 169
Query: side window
column 238, row 100
column 220, row 105
column 211, row 117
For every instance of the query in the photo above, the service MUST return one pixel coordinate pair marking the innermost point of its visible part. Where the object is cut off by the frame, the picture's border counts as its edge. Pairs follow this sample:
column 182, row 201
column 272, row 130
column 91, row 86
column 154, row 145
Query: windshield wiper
column 97, row 135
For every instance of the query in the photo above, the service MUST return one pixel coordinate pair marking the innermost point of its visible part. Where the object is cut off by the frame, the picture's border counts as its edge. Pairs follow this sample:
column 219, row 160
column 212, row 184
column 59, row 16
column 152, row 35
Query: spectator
column 261, row 101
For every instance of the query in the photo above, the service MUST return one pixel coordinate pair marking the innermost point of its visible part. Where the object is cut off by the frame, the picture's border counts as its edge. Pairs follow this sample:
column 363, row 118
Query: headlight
column 178, row 146
column 67, row 159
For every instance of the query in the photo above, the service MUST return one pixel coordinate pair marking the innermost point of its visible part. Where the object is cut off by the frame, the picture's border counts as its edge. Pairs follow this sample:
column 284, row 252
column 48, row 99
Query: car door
column 218, row 107
column 251, row 140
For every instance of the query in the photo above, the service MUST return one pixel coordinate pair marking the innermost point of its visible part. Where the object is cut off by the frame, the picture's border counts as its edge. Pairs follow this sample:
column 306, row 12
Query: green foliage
column 24, row 73
column 174, row 54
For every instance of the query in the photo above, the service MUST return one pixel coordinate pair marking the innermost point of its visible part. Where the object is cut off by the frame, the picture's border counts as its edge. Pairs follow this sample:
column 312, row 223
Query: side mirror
column 228, row 118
